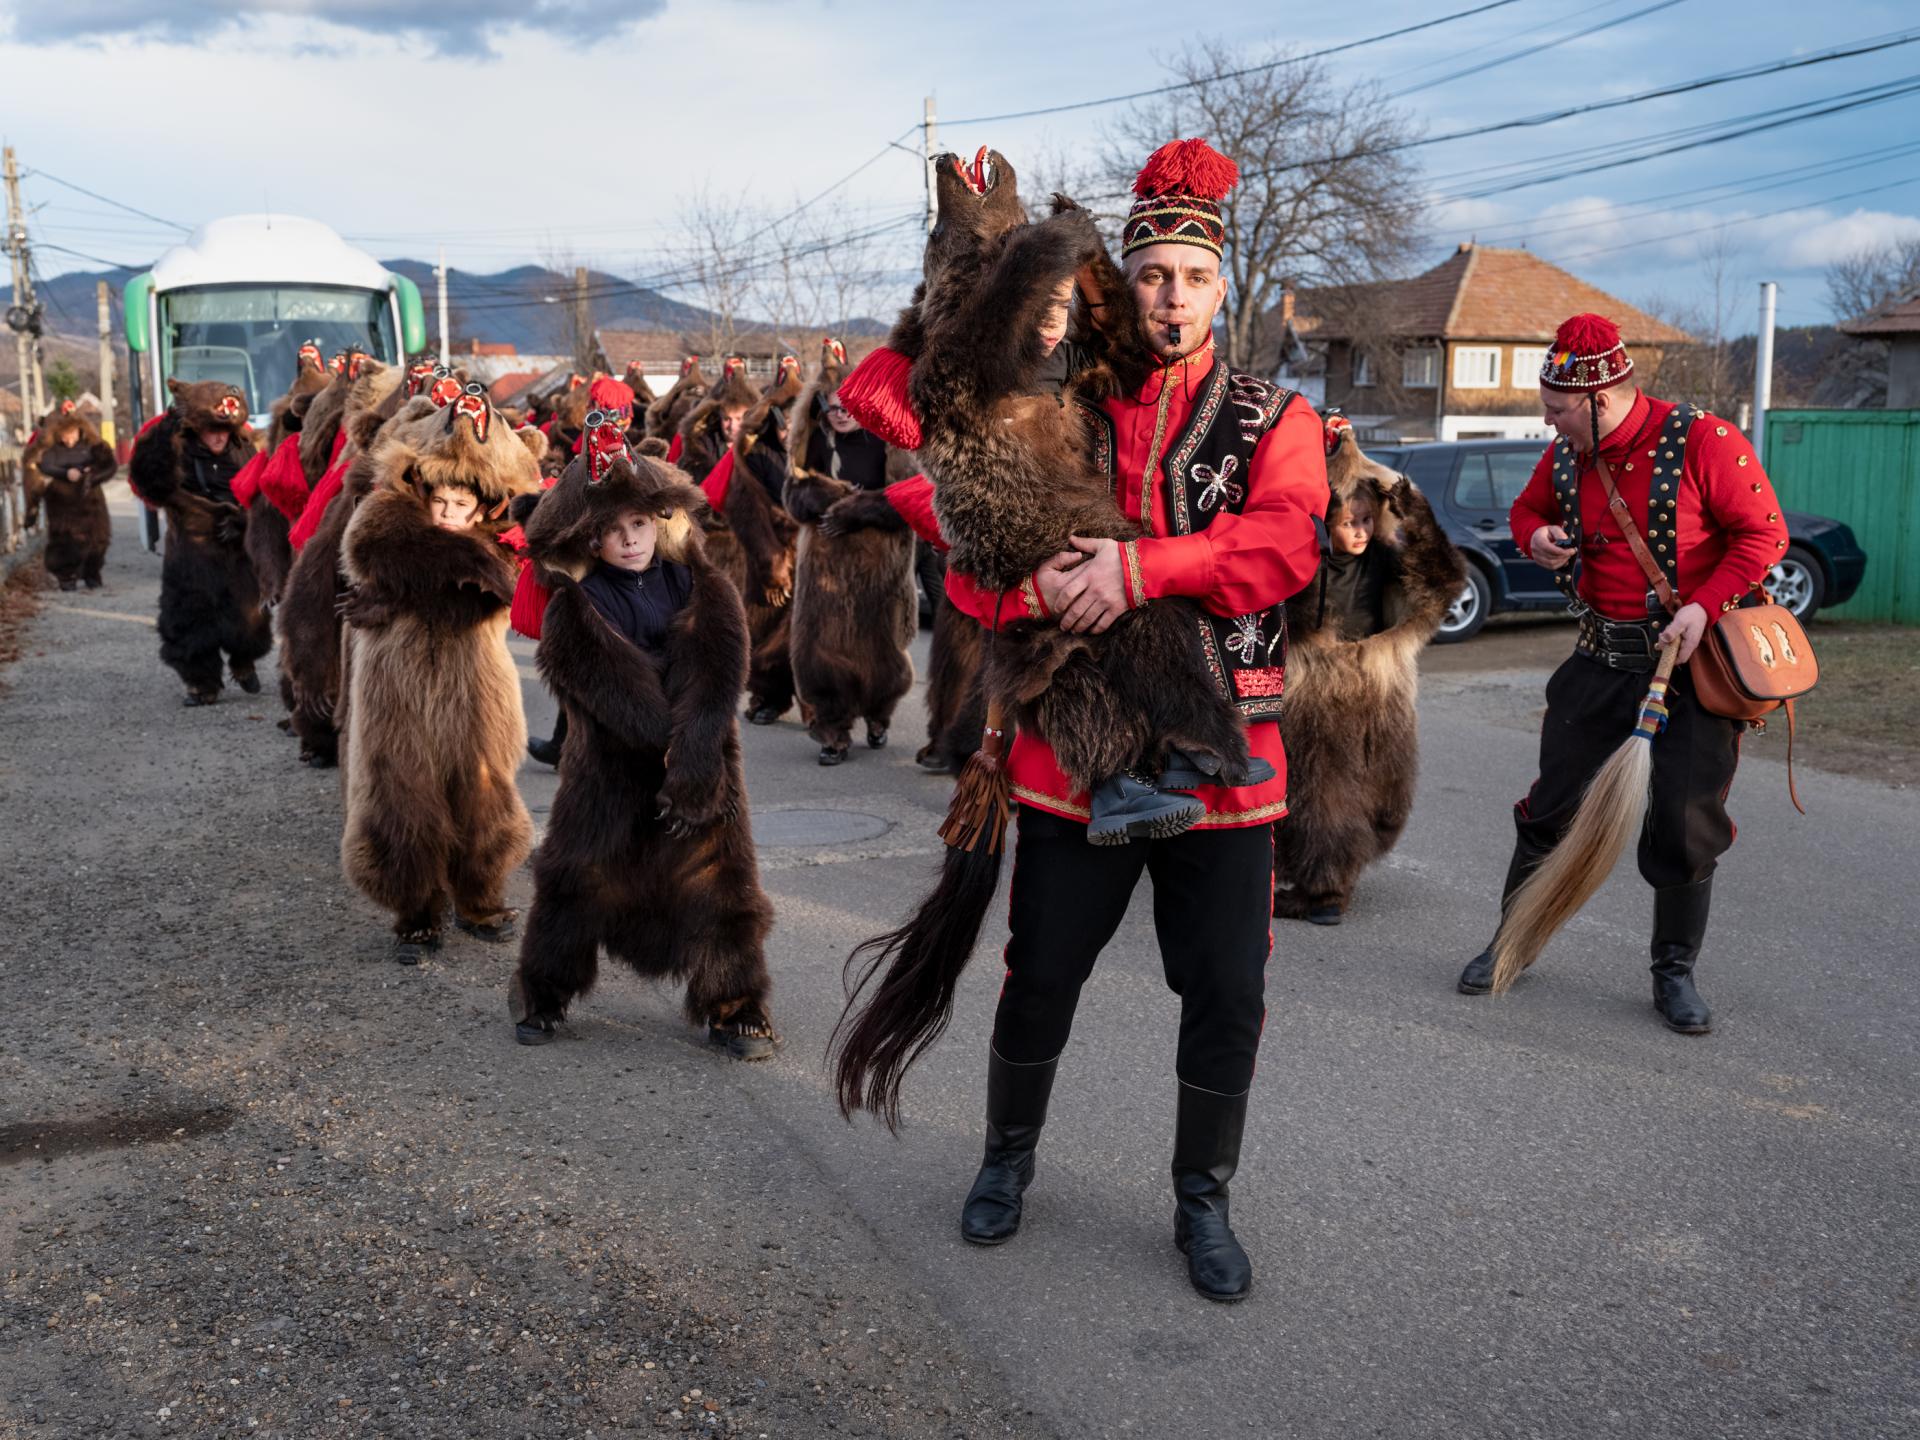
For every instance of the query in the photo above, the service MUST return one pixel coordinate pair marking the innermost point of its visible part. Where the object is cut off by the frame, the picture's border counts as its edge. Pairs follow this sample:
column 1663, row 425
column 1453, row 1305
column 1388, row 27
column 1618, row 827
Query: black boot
column 1477, row 978
column 1206, row 1152
column 1016, row 1109
column 1126, row 808
column 547, row 751
column 1679, row 925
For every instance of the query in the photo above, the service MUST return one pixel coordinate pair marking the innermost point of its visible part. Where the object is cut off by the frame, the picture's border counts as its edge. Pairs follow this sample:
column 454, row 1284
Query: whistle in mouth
column 1173, row 334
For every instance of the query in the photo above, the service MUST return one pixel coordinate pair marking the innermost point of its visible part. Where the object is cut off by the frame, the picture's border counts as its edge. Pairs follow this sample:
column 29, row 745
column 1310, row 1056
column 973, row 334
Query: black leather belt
column 1620, row 644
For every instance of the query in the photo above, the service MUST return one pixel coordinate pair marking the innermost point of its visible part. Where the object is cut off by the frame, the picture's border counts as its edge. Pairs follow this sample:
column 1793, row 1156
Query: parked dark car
column 1472, row 484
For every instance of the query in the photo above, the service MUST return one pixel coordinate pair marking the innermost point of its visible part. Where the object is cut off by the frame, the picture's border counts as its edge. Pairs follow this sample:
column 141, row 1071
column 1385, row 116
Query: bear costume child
column 1354, row 639
column 279, row 488
column 648, row 850
column 665, row 415
column 73, row 464
column 434, row 722
column 184, row 463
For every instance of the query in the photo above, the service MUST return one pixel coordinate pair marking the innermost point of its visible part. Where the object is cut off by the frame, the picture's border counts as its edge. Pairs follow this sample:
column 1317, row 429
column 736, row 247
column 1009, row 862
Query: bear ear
column 653, row 448
column 177, row 387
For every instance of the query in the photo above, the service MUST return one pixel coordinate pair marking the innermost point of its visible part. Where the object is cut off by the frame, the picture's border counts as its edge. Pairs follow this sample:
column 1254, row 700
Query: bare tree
column 717, row 265
column 1324, row 199
column 1716, row 371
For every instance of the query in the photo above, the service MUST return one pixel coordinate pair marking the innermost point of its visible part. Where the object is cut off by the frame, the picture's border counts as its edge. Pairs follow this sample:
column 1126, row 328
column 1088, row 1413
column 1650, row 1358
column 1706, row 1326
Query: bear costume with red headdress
column 185, row 463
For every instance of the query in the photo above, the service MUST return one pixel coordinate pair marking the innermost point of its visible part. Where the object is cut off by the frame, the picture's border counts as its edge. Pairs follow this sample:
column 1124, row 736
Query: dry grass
column 19, row 603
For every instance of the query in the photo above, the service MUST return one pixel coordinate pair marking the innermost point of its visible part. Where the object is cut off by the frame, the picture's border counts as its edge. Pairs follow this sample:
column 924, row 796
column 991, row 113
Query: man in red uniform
column 1228, row 476
column 1694, row 490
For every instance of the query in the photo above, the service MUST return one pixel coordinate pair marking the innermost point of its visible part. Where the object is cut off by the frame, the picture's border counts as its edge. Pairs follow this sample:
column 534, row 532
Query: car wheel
column 1469, row 609
column 1798, row 583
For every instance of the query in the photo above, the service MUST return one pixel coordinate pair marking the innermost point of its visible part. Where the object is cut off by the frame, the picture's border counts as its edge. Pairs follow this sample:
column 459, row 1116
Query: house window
column 1362, row 370
column 1420, row 369
column 1527, row 360
column 1476, row 367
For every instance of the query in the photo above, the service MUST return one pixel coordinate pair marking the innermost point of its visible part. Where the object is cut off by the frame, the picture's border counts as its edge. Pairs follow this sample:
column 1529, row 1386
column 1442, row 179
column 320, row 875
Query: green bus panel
column 1863, row 467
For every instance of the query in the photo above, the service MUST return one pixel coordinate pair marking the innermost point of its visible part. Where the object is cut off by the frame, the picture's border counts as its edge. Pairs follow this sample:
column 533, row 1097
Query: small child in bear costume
column 648, row 851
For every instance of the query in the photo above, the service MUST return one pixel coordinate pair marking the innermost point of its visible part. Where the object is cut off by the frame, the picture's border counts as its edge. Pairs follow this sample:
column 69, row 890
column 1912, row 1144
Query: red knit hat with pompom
column 1587, row 355
column 1180, row 189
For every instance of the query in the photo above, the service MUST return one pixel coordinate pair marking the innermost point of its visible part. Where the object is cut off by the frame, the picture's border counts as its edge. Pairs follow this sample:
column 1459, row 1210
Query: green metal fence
column 1863, row 467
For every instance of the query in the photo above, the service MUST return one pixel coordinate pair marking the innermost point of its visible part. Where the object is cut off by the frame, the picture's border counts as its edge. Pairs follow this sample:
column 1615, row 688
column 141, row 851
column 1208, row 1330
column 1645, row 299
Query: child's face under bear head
column 627, row 544
column 454, row 507
column 1352, row 531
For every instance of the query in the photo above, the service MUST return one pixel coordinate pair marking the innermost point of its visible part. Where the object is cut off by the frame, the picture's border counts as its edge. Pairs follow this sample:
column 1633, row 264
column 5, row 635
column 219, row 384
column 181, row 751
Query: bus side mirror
column 134, row 307
column 413, row 316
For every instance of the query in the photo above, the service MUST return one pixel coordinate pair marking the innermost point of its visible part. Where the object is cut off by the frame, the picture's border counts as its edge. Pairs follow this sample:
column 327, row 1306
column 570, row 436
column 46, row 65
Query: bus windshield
column 250, row 335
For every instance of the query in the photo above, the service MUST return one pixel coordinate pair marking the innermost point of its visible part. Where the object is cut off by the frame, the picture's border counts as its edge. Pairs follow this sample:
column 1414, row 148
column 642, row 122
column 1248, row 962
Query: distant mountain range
column 509, row 306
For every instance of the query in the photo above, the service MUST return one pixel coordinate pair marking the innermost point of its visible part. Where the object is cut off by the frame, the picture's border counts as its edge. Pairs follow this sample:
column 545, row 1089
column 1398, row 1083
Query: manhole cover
column 816, row 827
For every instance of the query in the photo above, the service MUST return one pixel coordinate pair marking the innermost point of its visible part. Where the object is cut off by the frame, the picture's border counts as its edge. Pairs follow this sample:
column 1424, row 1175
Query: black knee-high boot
column 1206, row 1152
column 1679, row 925
column 1016, row 1109
column 1477, row 978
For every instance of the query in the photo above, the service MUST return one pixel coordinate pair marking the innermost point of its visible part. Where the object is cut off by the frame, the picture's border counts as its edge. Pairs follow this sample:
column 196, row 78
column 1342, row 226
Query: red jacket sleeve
column 1738, row 497
column 1536, row 505
column 1260, row 557
column 995, row 608
column 912, row 500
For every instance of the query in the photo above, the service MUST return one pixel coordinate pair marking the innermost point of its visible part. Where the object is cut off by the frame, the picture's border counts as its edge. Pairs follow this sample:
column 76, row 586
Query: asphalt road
column 257, row 1180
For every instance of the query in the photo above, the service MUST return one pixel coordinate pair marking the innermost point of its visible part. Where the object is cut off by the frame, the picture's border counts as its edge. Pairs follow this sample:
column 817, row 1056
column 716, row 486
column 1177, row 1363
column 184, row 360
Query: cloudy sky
column 512, row 130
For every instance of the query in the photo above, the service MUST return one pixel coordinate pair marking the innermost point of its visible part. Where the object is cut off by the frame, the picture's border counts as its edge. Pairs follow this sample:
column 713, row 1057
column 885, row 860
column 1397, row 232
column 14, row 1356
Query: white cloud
column 1813, row 238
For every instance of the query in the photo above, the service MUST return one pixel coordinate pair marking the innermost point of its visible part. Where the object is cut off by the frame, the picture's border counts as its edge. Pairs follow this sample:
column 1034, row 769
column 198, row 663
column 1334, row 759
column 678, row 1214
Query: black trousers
column 1212, row 912
column 1590, row 711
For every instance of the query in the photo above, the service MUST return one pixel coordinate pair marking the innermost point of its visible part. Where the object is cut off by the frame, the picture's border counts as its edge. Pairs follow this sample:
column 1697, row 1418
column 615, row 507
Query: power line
column 1743, row 220
column 1232, row 74
column 1556, row 42
column 108, row 200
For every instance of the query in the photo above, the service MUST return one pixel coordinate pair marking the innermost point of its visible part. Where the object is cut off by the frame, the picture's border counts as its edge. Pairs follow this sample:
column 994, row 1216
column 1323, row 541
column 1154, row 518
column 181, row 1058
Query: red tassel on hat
column 1587, row 335
column 875, row 394
column 1186, row 167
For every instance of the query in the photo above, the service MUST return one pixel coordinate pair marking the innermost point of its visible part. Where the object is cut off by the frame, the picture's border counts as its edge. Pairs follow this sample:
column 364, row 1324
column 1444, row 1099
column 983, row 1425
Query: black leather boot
column 1477, row 978
column 1679, row 925
column 1206, row 1152
column 1016, row 1109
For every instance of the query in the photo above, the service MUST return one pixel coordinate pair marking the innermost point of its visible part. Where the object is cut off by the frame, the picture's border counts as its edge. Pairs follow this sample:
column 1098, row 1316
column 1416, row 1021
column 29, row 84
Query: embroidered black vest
column 1206, row 467
column 1663, row 494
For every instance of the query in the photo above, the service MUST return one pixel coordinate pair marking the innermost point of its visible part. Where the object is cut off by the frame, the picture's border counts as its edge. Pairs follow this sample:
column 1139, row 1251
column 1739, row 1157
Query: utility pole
column 106, row 362
column 582, row 330
column 1763, row 369
column 20, row 314
column 440, row 274
column 929, row 139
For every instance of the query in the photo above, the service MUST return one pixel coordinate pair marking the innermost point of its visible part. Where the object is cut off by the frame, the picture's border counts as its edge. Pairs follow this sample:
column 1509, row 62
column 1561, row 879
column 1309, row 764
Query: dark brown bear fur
column 79, row 528
column 1352, row 737
column 209, row 600
column 649, row 851
column 308, row 617
column 853, row 612
column 702, row 430
column 1105, row 702
column 268, row 546
column 956, row 696
column 436, row 729
column 664, row 416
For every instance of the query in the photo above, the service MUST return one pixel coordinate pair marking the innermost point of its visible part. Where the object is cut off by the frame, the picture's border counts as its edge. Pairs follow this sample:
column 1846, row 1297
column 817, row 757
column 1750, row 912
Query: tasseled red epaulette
column 330, row 485
column 246, row 483
column 529, row 607
column 718, row 480
column 283, row 482
column 875, row 394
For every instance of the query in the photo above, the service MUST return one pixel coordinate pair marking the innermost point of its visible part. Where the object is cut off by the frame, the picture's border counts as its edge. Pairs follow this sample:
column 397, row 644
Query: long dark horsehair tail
column 892, row 1018
column 881, row 1034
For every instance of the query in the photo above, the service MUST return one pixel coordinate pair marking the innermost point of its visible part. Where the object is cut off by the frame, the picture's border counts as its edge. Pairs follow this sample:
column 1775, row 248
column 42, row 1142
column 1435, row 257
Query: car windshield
column 250, row 335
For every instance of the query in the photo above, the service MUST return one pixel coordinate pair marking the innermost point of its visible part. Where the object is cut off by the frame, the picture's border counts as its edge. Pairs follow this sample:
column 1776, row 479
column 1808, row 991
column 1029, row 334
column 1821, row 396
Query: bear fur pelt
column 268, row 525
column 1352, row 737
column 79, row 528
column 956, row 690
column 209, row 600
column 665, row 415
column 326, row 412
column 435, row 727
column 33, row 480
column 703, row 436
column 649, row 850
column 635, row 379
column 853, row 612
column 308, row 617
column 1105, row 702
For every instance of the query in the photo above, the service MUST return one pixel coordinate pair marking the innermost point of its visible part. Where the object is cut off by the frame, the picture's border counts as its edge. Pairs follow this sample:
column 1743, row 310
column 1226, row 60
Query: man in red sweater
column 1227, row 474
column 1692, row 487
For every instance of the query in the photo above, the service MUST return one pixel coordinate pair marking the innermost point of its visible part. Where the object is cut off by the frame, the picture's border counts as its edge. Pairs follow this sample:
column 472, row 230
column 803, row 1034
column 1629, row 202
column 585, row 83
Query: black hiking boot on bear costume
column 1679, row 925
column 1187, row 771
column 1477, row 978
column 496, row 928
column 547, row 751
column 1206, row 1152
column 1124, row 807
column 1016, row 1110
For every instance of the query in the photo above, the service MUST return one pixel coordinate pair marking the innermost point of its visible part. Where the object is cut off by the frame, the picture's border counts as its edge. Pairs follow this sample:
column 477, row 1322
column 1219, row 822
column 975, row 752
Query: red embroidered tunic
column 1237, row 564
column 1727, row 519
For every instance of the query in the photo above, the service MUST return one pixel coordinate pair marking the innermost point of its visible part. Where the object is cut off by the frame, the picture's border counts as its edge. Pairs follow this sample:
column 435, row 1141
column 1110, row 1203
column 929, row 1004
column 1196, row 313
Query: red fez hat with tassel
column 1180, row 189
column 1587, row 355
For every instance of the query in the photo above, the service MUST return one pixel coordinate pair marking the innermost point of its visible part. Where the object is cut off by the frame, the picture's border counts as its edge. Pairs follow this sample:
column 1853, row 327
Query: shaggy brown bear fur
column 308, row 617
column 665, row 415
column 703, row 436
column 752, row 541
column 956, row 693
column 267, row 526
column 435, row 723
column 1352, row 738
column 649, row 851
column 78, row 526
column 853, row 612
column 1105, row 702
column 209, row 599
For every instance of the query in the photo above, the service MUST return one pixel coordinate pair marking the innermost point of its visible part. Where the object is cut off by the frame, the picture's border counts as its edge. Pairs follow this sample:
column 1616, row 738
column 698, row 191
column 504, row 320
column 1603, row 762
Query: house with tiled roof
column 1451, row 354
column 1897, row 325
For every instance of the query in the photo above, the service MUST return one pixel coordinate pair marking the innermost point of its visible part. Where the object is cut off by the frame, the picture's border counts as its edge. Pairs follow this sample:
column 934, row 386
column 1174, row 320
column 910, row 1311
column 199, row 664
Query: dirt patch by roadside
column 1860, row 722
column 19, row 603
